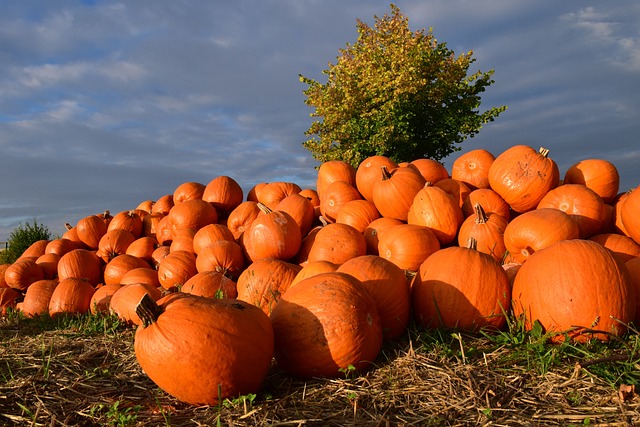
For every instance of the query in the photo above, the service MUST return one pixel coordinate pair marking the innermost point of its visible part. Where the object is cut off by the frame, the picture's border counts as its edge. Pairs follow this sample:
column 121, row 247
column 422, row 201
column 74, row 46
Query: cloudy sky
column 104, row 104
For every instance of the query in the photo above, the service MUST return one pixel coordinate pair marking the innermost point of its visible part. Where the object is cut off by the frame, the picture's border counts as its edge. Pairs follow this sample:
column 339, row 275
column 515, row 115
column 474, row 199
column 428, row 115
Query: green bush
column 21, row 238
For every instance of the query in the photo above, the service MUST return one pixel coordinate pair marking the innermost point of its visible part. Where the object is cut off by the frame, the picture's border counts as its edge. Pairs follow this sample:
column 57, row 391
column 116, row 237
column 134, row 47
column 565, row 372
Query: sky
column 105, row 104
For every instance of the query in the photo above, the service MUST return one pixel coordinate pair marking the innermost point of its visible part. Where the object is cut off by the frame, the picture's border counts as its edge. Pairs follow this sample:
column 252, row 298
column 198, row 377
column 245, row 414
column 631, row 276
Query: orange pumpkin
column 71, row 296
column 225, row 256
column 394, row 193
column 460, row 287
column 224, row 193
column 183, row 337
column 90, row 230
column 435, row 209
column 325, row 324
column 488, row 232
column 81, row 264
column 210, row 284
column 335, row 196
column 301, row 210
column 358, row 214
column 8, row 300
column 431, row 170
column 472, row 168
column 274, row 192
column 623, row 247
column 522, row 176
column 535, row 230
column 264, row 281
column 272, row 235
column 408, row 245
column 241, row 217
column 332, row 171
column 176, row 268
column 188, row 191
column 490, row 201
column 123, row 302
column 22, row 273
column 114, row 242
column 193, row 214
column 368, row 174
column 119, row 266
column 583, row 205
column 574, row 288
column 456, row 189
column 630, row 214
column 599, row 175
column 127, row 220
column 312, row 268
column 337, row 243
column 37, row 297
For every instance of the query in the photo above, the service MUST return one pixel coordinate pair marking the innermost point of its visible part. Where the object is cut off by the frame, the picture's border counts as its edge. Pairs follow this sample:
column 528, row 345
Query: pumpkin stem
column 472, row 243
column 385, row 173
column 544, row 151
column 147, row 310
column 264, row 208
column 481, row 215
column 68, row 226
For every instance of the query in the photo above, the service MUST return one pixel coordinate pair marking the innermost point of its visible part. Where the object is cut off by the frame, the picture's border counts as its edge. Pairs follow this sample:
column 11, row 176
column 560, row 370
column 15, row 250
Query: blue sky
column 104, row 104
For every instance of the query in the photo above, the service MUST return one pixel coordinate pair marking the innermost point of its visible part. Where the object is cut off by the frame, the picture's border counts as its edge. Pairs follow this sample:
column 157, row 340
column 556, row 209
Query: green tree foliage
column 396, row 93
column 21, row 238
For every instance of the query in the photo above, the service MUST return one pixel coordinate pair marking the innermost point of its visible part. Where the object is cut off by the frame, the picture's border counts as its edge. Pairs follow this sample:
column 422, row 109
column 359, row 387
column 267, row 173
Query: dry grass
column 54, row 374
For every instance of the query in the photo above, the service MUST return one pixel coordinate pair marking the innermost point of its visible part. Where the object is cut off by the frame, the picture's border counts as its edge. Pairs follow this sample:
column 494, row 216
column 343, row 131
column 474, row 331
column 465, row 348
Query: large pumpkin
column 575, row 287
column 71, row 296
column 522, row 176
column 599, row 175
column 394, row 193
column 472, row 168
column 630, row 214
column 204, row 350
column 436, row 209
column 324, row 324
column 460, row 287
column 263, row 282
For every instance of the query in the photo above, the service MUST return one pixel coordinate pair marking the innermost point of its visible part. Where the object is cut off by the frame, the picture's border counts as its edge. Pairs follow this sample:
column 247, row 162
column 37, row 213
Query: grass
column 81, row 370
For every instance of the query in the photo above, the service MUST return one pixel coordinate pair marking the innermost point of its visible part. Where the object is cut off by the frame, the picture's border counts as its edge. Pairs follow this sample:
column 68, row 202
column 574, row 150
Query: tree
column 396, row 93
column 21, row 238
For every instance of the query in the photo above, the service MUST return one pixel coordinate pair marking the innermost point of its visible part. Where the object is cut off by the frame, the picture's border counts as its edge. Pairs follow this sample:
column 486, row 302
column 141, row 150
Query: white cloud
column 35, row 76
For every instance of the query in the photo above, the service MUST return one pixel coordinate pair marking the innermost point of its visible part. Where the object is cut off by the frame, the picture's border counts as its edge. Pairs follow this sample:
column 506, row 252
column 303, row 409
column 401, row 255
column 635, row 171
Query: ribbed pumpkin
column 254, row 193
column 210, row 284
column 368, row 174
column 264, row 281
column 618, row 226
column 176, row 268
column 61, row 246
column 456, row 189
column 325, row 324
column 272, row 235
column 183, row 240
column 90, row 230
column 375, row 229
column 574, row 287
column 101, row 298
column 124, row 301
column 143, row 248
column 490, row 201
column 71, row 296
column 535, row 230
column 623, row 247
column 193, row 214
column 225, row 256
column 599, row 175
column 3, row 268
column 337, row 243
column 472, row 168
column 163, row 204
column 241, row 217
column 130, row 220
column 388, row 286
column 114, row 242
column 335, row 196
column 633, row 267
column 358, row 214
column 394, row 193
column 431, row 170
column 583, row 205
column 209, row 234
column 22, row 273
column 119, row 266
column 204, row 350
column 81, row 264
column 160, row 253
column 301, row 210
column 163, row 231
column 435, row 209
column 332, row 171
column 274, row 192
column 37, row 297
column 522, row 176
column 460, row 287
column 188, row 191
column 224, row 193
column 487, row 230
column 630, row 214
column 408, row 245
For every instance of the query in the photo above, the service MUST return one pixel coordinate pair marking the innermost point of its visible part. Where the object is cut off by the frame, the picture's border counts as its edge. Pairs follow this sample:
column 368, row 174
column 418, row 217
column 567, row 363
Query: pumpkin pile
column 219, row 285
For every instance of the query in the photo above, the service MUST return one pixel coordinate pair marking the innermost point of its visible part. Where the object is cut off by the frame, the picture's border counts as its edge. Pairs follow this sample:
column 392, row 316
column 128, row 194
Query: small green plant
column 115, row 415
column 21, row 238
column 46, row 359
column 245, row 400
column 349, row 372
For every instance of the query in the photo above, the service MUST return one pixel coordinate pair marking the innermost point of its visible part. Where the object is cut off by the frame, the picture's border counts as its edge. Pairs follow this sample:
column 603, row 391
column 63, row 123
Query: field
column 81, row 371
